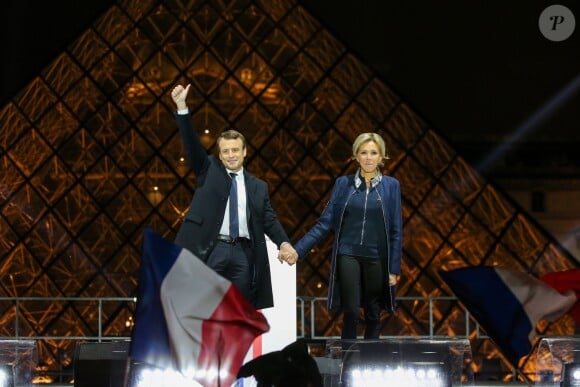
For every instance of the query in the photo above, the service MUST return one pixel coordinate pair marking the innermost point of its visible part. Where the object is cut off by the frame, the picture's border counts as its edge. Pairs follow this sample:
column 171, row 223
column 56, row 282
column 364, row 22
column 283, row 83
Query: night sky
column 476, row 71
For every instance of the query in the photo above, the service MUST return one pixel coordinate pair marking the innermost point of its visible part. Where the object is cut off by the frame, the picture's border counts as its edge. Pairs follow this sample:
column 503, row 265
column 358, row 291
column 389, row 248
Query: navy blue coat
column 203, row 220
column 331, row 220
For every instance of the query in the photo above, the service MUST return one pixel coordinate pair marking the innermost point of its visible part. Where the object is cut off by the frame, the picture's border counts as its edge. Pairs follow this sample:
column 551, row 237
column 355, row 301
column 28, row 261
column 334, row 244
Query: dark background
column 476, row 71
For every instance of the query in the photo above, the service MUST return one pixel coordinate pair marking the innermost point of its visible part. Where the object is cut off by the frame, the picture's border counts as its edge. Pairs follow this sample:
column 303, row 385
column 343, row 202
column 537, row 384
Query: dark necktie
column 234, row 221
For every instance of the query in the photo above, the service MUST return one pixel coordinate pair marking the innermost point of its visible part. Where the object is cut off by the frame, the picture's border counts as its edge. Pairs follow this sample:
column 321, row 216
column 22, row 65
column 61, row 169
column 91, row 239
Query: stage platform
column 345, row 363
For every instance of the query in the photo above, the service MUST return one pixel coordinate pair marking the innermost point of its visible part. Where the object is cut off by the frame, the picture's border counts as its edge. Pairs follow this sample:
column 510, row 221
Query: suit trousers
column 360, row 279
column 233, row 262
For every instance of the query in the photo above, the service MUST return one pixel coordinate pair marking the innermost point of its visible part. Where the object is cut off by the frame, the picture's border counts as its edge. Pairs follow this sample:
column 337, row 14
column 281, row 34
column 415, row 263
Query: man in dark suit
column 230, row 242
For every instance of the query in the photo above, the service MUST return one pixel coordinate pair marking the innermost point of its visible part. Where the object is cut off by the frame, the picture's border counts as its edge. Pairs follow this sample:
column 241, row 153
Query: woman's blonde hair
column 366, row 137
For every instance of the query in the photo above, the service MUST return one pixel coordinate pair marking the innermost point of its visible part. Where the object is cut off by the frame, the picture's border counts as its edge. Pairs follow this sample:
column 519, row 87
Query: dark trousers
column 233, row 262
column 361, row 279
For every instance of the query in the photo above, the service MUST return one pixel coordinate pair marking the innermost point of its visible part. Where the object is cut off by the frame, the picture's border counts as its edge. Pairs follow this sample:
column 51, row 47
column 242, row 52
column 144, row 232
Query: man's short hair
column 231, row 134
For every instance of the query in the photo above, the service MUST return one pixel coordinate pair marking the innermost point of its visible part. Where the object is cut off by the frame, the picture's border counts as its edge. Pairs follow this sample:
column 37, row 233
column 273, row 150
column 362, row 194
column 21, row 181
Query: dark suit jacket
column 203, row 220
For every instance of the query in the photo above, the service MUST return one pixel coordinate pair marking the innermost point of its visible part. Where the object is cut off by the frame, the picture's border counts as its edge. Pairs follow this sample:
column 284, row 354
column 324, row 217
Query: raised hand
column 179, row 94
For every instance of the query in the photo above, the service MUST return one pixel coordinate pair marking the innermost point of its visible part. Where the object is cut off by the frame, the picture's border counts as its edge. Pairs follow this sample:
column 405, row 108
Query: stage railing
column 303, row 304
column 302, row 301
column 100, row 301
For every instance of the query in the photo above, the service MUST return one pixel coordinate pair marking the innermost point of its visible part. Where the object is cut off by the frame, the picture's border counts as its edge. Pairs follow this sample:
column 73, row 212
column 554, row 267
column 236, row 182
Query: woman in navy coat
column 364, row 212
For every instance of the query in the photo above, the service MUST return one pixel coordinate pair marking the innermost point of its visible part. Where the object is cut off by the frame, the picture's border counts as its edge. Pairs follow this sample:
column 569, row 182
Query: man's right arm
column 195, row 153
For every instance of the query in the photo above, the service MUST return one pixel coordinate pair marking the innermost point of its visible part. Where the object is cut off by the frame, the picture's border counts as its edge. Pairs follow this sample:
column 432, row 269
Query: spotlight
column 144, row 375
column 433, row 375
column 571, row 375
column 6, row 375
column 381, row 363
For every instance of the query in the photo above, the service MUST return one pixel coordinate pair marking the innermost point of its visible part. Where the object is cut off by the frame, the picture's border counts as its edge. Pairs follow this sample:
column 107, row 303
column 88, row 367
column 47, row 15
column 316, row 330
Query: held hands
column 179, row 94
column 287, row 254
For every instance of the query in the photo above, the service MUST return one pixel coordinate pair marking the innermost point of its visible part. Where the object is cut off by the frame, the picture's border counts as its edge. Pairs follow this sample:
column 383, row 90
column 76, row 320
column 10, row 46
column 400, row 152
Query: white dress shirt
column 242, row 207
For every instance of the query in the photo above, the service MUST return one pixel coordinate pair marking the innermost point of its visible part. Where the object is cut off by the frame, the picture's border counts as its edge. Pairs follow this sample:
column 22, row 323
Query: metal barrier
column 301, row 303
column 100, row 301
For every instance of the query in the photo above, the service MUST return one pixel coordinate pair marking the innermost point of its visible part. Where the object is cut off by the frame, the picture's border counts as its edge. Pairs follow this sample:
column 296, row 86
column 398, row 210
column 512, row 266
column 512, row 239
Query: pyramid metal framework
column 91, row 156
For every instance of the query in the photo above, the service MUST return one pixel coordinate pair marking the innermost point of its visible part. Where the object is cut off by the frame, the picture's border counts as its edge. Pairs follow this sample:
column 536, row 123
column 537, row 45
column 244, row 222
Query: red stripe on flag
column 257, row 347
column 226, row 338
column 564, row 282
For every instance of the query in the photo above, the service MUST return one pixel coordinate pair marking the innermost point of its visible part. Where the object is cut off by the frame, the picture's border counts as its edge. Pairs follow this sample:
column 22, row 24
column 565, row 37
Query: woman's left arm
column 396, row 229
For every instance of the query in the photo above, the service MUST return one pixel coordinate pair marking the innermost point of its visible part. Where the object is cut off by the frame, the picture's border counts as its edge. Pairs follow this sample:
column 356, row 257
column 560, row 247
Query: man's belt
column 229, row 240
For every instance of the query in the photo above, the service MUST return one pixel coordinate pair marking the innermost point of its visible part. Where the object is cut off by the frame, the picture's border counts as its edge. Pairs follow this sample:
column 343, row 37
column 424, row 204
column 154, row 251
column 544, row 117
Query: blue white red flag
column 188, row 318
column 507, row 304
column 566, row 281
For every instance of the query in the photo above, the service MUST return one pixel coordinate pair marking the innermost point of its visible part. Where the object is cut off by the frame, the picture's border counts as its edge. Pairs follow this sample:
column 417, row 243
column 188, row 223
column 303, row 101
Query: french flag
column 188, row 318
column 564, row 282
column 508, row 304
